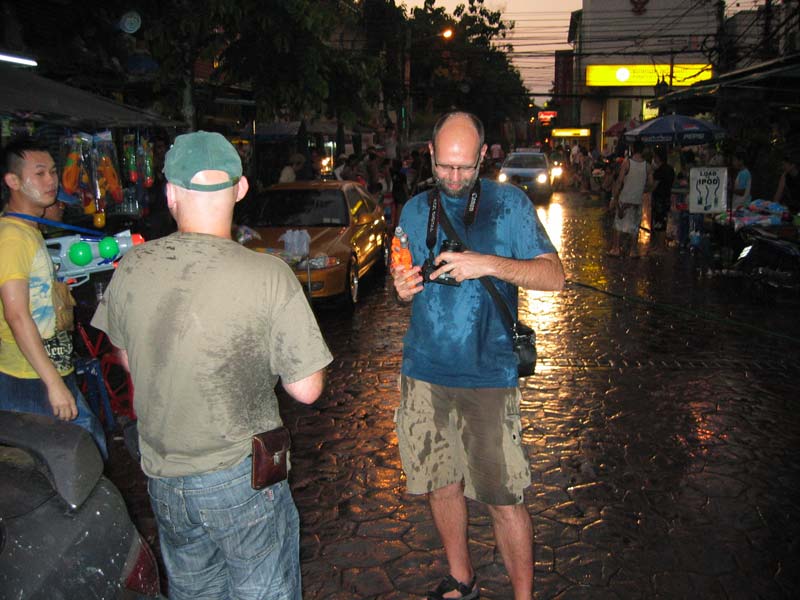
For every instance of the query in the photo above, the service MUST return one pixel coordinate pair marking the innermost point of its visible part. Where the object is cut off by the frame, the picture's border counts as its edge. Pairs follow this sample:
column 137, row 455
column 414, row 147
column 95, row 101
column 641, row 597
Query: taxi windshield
column 303, row 208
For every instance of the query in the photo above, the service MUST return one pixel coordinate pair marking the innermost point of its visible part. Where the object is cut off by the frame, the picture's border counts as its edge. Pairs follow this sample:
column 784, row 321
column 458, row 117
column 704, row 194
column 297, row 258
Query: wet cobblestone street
column 661, row 425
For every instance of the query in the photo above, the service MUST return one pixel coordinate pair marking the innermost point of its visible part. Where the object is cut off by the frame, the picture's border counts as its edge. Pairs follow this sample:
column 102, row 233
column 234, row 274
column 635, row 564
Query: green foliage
column 471, row 71
column 297, row 57
column 384, row 25
column 279, row 50
column 285, row 51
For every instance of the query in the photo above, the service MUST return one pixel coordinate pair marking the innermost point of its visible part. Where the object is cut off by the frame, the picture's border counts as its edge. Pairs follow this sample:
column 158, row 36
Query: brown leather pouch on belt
column 270, row 457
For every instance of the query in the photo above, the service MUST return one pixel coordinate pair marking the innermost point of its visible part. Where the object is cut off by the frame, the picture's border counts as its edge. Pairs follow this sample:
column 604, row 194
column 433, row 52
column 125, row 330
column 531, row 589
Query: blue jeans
column 30, row 396
column 221, row 539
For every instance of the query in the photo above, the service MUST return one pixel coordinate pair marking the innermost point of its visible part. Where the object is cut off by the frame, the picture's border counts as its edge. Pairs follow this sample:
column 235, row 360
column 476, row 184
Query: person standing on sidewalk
column 207, row 327
column 37, row 374
column 788, row 192
column 458, row 423
column 740, row 198
column 635, row 178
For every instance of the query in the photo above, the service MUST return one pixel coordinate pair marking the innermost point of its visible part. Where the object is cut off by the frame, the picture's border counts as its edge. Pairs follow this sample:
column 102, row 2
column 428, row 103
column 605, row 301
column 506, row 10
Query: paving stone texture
column 661, row 424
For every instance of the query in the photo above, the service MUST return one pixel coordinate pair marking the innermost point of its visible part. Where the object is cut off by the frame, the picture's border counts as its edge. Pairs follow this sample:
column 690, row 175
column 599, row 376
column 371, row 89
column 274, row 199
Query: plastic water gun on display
column 75, row 177
column 70, row 176
column 130, row 172
column 77, row 256
column 401, row 254
column 108, row 179
column 145, row 162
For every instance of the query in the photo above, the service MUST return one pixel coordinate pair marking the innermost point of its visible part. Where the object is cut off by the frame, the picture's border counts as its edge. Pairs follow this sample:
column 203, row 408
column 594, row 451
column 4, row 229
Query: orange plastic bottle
column 401, row 254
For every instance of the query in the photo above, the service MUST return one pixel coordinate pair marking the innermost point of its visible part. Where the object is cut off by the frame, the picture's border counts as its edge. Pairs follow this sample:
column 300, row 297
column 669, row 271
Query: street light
column 405, row 118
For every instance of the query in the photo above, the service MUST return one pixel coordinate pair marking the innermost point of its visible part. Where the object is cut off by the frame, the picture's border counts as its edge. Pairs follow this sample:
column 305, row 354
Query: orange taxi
column 347, row 234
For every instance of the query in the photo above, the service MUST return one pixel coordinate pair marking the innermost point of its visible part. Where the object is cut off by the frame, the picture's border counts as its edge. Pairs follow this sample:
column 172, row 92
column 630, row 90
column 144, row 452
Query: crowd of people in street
column 644, row 191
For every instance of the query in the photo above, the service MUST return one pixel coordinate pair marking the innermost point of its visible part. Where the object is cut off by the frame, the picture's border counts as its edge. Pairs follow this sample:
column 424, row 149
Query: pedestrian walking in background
column 458, row 423
column 663, row 177
column 208, row 327
column 399, row 185
column 635, row 178
column 341, row 163
column 37, row 374
column 291, row 172
column 496, row 153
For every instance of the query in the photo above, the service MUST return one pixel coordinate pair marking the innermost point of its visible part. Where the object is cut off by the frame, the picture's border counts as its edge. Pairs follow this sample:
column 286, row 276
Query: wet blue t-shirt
column 457, row 337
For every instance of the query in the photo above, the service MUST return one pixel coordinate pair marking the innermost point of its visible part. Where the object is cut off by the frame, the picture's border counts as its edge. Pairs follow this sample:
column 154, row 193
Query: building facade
column 624, row 49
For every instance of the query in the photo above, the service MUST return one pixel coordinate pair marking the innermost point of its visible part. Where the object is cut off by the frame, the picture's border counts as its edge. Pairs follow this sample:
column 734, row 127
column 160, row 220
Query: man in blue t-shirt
column 458, row 424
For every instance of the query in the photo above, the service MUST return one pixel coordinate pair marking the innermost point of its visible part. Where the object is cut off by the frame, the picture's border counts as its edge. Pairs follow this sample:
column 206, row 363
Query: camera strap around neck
column 436, row 212
column 435, row 204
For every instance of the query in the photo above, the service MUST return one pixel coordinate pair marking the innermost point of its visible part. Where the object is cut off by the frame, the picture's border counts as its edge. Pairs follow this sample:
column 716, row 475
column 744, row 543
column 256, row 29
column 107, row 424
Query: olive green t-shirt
column 209, row 326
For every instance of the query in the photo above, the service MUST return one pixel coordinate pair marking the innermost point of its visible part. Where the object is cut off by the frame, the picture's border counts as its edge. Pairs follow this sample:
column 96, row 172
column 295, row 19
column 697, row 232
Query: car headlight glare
column 541, row 178
column 502, row 178
column 557, row 171
column 318, row 262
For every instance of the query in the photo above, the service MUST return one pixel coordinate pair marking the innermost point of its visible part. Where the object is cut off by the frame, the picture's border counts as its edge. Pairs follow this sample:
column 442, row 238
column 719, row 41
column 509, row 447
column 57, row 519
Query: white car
column 530, row 171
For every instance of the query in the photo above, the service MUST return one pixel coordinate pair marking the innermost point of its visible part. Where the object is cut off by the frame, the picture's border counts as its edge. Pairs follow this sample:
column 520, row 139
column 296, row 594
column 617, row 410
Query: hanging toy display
column 91, row 171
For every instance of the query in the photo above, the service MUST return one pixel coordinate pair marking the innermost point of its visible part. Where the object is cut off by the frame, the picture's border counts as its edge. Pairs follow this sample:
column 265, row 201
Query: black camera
column 428, row 267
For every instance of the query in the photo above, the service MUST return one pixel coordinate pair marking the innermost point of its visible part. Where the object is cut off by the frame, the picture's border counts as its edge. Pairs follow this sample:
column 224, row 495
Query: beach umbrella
column 676, row 129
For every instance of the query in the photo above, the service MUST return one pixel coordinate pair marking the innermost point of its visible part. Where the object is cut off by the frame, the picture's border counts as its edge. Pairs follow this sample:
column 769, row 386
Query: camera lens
column 452, row 246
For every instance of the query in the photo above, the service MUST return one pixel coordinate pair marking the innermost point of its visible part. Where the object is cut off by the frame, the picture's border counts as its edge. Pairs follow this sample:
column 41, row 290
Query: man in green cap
column 208, row 327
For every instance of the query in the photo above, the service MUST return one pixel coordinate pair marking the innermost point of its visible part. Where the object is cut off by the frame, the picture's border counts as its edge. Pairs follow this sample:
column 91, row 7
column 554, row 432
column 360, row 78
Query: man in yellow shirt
column 36, row 370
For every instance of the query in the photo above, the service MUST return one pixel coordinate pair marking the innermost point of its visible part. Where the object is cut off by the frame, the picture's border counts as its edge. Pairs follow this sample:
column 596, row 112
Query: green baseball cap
column 202, row 151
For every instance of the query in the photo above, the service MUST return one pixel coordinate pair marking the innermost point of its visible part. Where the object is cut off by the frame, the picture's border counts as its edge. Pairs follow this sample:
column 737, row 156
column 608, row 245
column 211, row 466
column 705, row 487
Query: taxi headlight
column 318, row 262
column 502, row 178
column 541, row 178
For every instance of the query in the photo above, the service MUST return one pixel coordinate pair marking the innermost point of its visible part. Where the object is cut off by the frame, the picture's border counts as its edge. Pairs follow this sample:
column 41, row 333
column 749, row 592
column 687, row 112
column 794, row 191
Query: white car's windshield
column 525, row 161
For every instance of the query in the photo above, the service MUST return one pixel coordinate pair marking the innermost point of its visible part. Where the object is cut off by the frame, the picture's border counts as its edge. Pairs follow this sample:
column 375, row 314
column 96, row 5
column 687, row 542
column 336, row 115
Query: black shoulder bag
column 522, row 336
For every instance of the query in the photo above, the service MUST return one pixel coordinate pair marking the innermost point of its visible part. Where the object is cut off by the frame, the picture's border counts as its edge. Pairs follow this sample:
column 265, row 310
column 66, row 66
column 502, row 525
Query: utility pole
column 722, row 40
column 722, row 60
column 768, row 44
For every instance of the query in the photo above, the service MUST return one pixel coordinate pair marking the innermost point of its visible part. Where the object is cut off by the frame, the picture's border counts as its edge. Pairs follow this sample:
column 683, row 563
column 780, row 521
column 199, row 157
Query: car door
column 363, row 211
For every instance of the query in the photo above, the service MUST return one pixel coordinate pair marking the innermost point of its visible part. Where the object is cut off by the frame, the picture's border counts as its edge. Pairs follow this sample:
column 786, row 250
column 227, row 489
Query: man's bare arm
column 544, row 272
column 16, row 311
column 308, row 389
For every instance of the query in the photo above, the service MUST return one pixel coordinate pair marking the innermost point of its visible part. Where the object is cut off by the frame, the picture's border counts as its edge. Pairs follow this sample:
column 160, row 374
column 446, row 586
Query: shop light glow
column 678, row 75
column 18, row 60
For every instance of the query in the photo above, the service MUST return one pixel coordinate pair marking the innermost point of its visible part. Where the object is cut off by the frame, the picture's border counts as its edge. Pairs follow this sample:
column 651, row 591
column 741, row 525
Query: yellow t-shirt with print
column 23, row 255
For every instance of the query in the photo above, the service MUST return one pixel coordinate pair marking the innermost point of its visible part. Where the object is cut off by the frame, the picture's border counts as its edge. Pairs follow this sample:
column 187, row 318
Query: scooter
column 770, row 265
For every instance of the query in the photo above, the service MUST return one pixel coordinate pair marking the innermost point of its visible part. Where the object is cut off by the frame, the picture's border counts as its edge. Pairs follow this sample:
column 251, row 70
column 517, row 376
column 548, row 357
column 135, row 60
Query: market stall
column 106, row 168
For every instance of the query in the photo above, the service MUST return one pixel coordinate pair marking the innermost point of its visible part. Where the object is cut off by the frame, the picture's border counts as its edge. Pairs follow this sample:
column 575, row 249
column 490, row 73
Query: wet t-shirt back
column 209, row 327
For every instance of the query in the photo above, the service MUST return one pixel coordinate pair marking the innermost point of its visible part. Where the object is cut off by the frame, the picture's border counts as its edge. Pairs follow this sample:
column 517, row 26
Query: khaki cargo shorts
column 448, row 435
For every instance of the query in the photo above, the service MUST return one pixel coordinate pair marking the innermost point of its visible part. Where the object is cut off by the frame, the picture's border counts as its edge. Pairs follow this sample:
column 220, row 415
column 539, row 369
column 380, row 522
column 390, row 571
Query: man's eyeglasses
column 467, row 169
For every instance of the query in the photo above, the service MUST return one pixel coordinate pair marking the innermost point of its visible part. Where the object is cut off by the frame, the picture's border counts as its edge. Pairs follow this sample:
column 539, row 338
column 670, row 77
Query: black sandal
column 451, row 584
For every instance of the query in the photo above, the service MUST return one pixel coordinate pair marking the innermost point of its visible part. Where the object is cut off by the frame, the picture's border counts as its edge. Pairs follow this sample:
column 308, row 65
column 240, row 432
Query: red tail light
column 141, row 570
